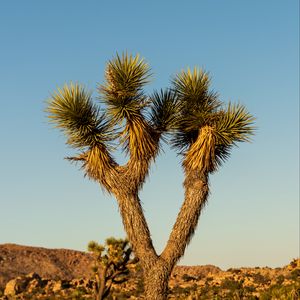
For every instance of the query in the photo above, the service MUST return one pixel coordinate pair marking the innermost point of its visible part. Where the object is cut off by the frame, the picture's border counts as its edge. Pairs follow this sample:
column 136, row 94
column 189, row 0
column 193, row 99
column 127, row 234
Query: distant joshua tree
column 111, row 262
column 188, row 115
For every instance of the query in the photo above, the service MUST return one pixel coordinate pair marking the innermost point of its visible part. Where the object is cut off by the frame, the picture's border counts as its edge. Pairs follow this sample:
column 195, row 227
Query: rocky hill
column 40, row 273
column 63, row 264
column 16, row 260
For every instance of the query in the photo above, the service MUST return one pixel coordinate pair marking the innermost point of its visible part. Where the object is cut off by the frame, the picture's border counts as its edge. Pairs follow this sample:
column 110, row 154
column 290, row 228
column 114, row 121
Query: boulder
column 82, row 283
column 16, row 286
column 60, row 285
column 32, row 276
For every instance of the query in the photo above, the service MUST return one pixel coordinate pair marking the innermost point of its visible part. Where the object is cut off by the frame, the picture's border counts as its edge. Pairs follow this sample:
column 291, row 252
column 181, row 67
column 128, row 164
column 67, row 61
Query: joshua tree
column 188, row 115
column 111, row 264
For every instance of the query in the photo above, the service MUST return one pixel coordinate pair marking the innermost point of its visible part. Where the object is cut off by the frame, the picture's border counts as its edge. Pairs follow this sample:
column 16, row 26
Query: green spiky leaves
column 206, row 131
column 192, row 88
column 201, row 127
column 71, row 109
column 214, row 141
column 234, row 124
column 198, row 106
column 165, row 110
column 112, row 263
column 123, row 90
column 95, row 247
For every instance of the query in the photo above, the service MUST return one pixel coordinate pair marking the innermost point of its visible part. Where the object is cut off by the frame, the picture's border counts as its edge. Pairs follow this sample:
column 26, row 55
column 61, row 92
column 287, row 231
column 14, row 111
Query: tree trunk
column 100, row 282
column 157, row 269
column 136, row 228
column 156, row 280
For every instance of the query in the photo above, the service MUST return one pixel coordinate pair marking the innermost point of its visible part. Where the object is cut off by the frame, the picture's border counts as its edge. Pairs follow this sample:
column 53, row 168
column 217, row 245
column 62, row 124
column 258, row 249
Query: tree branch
column 136, row 226
column 196, row 193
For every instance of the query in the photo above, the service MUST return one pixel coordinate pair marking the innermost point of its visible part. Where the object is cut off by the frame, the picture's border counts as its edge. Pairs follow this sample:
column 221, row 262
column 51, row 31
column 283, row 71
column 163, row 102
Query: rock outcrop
column 21, row 284
column 16, row 260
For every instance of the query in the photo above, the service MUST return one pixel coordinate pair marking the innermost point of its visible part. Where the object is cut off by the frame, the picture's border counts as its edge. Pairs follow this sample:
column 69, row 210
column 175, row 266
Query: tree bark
column 156, row 279
column 156, row 272
column 196, row 194
column 125, row 183
column 157, row 269
column 100, row 284
column 136, row 228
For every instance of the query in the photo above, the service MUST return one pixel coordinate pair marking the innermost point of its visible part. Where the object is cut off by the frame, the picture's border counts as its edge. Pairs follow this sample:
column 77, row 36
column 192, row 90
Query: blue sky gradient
column 250, row 48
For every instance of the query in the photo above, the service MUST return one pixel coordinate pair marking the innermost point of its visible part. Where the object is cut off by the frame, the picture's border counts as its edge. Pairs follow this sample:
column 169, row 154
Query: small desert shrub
column 187, row 278
column 234, row 271
column 208, row 280
column 230, row 284
column 78, row 293
column 119, row 296
column 236, row 292
column 186, row 291
column 293, row 263
column 280, row 279
column 260, row 279
column 279, row 292
column 295, row 275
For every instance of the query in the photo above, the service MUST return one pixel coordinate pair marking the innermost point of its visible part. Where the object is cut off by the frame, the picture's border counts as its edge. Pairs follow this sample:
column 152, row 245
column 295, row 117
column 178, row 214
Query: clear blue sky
column 250, row 49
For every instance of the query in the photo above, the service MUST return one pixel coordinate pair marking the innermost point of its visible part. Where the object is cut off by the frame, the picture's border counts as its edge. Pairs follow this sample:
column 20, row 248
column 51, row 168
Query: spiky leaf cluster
column 234, row 125
column 193, row 91
column 114, row 256
column 165, row 110
column 206, row 129
column 111, row 264
column 115, row 252
column 198, row 105
column 201, row 127
column 118, row 250
column 95, row 248
column 72, row 110
column 122, row 91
